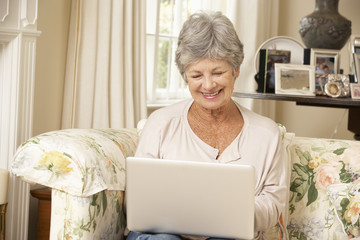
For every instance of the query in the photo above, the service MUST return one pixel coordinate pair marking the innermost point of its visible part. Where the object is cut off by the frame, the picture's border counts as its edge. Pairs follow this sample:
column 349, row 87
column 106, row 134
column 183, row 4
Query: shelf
column 321, row 101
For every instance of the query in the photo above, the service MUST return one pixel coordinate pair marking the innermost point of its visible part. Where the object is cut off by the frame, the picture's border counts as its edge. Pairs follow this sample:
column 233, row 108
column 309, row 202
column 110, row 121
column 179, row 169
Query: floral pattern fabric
column 346, row 201
column 317, row 166
column 86, row 170
column 100, row 216
column 81, row 162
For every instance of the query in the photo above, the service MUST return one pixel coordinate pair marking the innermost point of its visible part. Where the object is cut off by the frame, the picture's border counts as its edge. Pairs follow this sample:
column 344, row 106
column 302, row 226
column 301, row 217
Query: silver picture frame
column 293, row 79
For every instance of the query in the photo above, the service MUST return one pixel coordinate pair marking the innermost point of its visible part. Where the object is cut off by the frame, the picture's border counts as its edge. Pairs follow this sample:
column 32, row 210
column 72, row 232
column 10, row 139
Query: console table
column 44, row 212
column 321, row 101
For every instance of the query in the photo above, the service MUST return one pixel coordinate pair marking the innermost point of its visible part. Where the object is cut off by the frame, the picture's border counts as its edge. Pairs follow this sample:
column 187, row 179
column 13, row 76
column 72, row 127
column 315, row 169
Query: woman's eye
column 218, row 73
column 196, row 76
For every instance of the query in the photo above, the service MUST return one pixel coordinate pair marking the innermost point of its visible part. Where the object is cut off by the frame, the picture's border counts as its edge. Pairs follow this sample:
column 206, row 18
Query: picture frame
column 293, row 79
column 355, row 43
column 325, row 61
column 356, row 59
column 355, row 90
column 266, row 76
column 320, row 81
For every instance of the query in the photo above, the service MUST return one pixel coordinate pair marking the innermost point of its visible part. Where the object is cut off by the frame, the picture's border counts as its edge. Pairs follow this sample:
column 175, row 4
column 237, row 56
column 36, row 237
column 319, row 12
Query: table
column 44, row 212
column 320, row 101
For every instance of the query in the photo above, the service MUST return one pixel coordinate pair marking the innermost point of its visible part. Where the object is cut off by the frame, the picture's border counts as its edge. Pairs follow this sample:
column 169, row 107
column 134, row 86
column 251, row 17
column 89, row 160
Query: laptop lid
column 192, row 198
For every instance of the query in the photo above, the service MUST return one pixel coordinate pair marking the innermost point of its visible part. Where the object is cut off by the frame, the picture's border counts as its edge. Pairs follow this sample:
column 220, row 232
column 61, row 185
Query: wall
column 314, row 121
column 53, row 22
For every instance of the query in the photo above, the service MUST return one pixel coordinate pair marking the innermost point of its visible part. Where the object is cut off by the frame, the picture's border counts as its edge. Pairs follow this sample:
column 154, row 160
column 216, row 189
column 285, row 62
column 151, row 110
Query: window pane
column 166, row 9
column 151, row 11
column 162, row 67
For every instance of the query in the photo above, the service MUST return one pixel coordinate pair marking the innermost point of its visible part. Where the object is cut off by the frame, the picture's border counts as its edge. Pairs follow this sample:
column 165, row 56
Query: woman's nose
column 208, row 83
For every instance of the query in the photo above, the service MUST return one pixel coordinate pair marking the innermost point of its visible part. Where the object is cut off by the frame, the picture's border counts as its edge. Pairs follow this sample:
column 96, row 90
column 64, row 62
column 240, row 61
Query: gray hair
column 208, row 35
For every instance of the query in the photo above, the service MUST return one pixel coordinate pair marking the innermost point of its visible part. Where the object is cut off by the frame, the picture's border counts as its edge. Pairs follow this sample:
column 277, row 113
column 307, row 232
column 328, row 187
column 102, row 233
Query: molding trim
column 28, row 12
column 17, row 64
column 4, row 9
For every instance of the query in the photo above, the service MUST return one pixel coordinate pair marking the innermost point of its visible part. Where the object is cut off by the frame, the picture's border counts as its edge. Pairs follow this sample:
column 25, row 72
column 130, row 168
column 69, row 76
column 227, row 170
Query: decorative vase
column 325, row 27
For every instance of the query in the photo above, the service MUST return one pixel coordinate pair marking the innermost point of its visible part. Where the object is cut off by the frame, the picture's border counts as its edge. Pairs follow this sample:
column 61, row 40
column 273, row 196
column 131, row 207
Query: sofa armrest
column 100, row 216
column 80, row 162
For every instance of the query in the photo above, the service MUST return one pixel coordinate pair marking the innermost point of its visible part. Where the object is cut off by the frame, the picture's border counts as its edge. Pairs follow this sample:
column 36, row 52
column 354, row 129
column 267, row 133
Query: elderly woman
column 211, row 126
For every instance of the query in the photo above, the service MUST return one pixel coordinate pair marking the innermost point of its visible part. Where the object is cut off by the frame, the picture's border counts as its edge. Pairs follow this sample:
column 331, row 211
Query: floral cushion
column 318, row 164
column 346, row 202
column 81, row 162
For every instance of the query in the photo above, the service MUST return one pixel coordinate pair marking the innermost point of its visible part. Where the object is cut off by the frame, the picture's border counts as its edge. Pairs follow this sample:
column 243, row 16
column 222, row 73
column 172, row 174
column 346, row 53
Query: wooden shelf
column 321, row 101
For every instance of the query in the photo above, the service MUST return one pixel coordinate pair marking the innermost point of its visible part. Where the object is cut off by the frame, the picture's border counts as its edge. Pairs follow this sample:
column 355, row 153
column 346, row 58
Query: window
column 164, row 19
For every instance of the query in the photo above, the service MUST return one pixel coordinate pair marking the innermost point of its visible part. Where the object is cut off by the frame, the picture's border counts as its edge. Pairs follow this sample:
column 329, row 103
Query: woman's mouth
column 211, row 95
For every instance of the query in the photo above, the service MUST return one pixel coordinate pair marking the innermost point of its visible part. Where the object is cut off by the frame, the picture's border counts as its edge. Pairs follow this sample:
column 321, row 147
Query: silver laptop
column 192, row 198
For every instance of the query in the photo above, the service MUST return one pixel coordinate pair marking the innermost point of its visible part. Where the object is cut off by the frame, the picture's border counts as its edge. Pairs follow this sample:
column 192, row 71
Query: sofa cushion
column 345, row 199
column 318, row 164
column 77, row 161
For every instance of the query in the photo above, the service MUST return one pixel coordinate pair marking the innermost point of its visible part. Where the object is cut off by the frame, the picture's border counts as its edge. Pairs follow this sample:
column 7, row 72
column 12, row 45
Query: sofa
column 85, row 169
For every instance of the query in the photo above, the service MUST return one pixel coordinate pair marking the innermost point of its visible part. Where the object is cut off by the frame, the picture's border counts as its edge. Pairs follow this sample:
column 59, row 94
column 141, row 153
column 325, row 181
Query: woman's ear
column 237, row 72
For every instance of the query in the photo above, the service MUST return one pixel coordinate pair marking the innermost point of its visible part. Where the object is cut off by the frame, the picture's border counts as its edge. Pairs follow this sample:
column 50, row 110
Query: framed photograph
column 326, row 61
column 354, row 58
column 355, row 90
column 355, row 43
column 294, row 79
column 357, row 49
column 268, row 58
column 320, row 81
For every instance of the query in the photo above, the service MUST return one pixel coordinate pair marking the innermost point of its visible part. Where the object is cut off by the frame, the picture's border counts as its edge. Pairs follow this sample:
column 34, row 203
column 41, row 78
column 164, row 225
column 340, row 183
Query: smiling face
column 211, row 83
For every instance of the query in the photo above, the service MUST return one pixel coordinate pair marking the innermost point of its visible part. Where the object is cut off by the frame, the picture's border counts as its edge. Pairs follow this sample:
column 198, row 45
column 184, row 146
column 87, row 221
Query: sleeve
column 270, row 203
column 149, row 143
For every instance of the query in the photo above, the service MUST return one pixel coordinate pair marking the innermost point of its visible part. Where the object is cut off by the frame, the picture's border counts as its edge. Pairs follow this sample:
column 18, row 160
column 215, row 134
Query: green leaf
column 345, row 177
column 68, row 155
column 94, row 199
column 344, row 203
column 305, row 157
column 302, row 171
column 339, row 151
column 292, row 208
column 296, row 183
column 33, row 140
column 302, row 236
column 104, row 202
column 312, row 194
column 300, row 187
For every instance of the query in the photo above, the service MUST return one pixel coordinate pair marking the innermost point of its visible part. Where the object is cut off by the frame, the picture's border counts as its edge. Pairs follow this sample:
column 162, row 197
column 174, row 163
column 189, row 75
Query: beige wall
column 314, row 121
column 53, row 22
column 51, row 54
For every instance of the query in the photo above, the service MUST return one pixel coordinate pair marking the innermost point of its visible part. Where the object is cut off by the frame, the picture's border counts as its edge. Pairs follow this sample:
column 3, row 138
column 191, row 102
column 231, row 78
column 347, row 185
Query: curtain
column 105, row 82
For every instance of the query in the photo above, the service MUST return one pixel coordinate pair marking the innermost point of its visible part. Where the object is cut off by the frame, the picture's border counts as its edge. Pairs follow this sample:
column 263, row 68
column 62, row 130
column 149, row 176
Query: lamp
column 4, row 181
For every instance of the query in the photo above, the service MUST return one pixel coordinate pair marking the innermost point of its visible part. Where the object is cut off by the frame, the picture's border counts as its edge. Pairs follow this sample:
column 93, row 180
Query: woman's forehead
column 208, row 64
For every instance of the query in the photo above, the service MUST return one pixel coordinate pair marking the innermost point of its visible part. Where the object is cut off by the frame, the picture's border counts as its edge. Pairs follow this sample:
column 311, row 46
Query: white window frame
column 172, row 92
